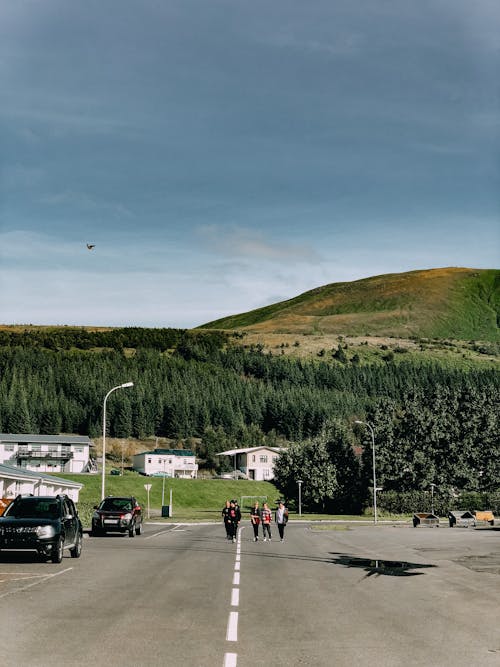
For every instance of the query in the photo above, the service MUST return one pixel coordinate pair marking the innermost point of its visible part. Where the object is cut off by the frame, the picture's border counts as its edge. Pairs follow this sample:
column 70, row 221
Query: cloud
column 252, row 244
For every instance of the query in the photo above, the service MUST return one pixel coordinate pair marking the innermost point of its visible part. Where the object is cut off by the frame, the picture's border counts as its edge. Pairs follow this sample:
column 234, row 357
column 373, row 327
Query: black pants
column 266, row 527
column 281, row 529
column 233, row 528
column 255, row 529
column 227, row 525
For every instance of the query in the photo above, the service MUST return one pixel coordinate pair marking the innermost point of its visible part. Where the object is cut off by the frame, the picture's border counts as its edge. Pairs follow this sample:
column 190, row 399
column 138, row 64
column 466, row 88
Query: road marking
column 236, row 579
column 237, row 565
column 35, row 583
column 21, row 578
column 232, row 627
column 238, row 559
column 230, row 659
column 160, row 533
column 235, row 597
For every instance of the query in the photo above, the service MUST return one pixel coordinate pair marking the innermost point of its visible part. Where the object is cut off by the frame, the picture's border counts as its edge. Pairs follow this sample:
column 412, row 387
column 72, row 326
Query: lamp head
column 127, row 384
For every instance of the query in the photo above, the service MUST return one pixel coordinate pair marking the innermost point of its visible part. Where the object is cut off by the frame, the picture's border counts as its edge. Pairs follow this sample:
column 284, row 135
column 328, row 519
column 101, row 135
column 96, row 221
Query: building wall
column 258, row 464
column 172, row 465
column 77, row 463
column 10, row 488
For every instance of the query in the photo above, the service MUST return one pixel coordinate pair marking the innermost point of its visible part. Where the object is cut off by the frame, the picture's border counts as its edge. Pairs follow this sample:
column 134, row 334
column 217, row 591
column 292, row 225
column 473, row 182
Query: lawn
column 192, row 499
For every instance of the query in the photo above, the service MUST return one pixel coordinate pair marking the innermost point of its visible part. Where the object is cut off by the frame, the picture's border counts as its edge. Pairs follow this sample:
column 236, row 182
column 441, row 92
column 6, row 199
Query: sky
column 223, row 155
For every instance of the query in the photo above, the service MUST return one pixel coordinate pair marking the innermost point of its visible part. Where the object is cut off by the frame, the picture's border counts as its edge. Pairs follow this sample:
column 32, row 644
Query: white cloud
column 252, row 244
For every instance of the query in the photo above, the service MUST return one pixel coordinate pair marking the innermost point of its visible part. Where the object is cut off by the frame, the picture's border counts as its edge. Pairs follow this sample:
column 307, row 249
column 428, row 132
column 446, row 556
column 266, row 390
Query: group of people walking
column 231, row 514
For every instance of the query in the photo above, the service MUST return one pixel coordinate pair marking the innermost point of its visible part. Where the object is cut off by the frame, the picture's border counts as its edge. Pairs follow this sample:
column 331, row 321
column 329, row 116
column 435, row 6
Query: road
column 184, row 596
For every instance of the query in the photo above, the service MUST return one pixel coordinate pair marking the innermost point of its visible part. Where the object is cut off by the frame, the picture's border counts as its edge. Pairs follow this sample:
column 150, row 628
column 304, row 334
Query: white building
column 47, row 453
column 255, row 462
column 168, row 462
column 14, row 481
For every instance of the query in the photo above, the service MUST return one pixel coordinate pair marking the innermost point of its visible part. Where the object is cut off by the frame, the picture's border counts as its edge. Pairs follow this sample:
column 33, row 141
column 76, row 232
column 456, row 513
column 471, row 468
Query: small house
column 47, row 453
column 255, row 462
column 167, row 462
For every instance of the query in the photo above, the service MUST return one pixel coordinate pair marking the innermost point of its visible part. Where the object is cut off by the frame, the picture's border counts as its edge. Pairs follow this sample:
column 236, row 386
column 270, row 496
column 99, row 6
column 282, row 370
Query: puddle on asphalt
column 377, row 567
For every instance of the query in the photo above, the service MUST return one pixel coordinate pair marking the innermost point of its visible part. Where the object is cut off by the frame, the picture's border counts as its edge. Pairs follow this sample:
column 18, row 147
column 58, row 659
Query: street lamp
column 432, row 497
column 299, row 482
column 120, row 386
column 373, row 463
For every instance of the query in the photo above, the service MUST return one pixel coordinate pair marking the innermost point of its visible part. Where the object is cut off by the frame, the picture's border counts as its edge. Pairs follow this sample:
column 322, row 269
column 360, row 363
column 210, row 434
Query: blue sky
column 224, row 154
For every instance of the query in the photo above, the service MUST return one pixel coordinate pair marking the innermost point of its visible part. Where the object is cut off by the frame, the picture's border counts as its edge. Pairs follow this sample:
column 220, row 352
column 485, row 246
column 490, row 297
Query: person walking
column 281, row 517
column 225, row 517
column 266, row 517
column 255, row 519
column 234, row 519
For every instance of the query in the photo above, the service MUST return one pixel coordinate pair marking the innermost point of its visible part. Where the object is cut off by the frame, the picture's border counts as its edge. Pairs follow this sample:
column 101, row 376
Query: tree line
column 433, row 424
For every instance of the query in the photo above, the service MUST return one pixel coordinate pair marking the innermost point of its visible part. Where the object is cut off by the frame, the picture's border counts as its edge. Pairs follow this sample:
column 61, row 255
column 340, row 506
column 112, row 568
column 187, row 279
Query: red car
column 117, row 515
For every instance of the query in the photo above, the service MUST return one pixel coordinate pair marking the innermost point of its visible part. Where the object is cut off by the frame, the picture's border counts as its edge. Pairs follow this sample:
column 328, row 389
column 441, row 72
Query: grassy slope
column 438, row 303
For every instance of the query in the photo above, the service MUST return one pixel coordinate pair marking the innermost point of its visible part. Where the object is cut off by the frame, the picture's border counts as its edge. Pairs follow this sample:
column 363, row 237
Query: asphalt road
column 184, row 596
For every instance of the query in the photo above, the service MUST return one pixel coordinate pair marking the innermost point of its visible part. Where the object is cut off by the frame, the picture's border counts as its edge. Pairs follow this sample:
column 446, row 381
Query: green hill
column 457, row 303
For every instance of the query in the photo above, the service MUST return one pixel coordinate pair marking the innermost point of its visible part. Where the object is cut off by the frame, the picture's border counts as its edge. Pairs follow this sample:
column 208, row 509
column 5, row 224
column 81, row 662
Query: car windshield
column 34, row 508
column 116, row 504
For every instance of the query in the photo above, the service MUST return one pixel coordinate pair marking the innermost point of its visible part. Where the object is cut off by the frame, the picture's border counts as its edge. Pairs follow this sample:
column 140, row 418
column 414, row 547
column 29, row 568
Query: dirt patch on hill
column 304, row 345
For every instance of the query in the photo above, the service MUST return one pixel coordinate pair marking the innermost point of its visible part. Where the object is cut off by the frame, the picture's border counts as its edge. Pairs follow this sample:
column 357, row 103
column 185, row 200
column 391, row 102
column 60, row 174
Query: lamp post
column 373, row 463
column 120, row 386
column 299, row 482
column 163, row 485
column 432, row 497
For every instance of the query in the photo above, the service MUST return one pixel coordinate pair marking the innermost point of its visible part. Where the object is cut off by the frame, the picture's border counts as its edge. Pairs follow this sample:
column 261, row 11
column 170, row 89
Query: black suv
column 47, row 524
column 117, row 515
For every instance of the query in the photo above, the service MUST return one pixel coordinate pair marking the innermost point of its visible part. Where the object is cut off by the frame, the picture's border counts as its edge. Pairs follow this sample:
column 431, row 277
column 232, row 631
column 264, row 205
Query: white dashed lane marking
column 232, row 627
column 231, row 659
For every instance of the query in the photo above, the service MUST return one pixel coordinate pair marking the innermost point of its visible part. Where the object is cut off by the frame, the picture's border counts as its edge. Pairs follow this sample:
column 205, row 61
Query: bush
column 409, row 502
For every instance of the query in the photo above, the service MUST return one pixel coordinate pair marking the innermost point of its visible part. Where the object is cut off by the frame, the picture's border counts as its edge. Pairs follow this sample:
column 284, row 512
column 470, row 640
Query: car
column 115, row 471
column 117, row 514
column 46, row 524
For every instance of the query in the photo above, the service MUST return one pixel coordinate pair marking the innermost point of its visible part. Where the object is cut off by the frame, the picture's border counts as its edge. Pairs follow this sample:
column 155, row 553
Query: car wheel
column 76, row 551
column 138, row 529
column 131, row 532
column 57, row 551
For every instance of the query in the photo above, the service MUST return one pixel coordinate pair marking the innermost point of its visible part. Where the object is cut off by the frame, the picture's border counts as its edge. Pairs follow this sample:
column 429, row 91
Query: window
column 275, row 458
column 36, row 448
column 149, row 460
column 79, row 450
column 253, row 458
column 9, row 448
column 266, row 473
column 263, row 458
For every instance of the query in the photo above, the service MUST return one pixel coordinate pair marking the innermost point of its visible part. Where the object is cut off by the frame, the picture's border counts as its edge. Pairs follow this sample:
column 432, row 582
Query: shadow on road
column 377, row 567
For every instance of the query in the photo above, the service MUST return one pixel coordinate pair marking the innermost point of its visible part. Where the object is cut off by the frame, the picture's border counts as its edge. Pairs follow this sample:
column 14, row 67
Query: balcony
column 60, row 455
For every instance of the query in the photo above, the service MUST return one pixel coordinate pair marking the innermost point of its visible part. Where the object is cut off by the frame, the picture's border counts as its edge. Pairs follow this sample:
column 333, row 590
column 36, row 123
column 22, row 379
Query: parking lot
column 181, row 594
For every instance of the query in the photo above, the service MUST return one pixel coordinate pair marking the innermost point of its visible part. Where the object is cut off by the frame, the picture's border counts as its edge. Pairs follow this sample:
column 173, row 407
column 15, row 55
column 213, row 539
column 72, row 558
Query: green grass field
column 192, row 499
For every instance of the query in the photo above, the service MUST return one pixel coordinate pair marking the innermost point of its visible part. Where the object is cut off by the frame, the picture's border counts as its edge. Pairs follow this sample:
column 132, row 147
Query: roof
column 13, row 472
column 247, row 450
column 169, row 452
column 46, row 439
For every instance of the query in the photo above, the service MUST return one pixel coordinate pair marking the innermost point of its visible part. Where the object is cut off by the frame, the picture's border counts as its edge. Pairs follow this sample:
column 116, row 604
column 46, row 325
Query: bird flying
column 90, row 246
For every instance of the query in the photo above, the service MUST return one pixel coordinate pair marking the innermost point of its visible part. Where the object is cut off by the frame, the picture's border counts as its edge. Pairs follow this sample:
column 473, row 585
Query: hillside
column 456, row 303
